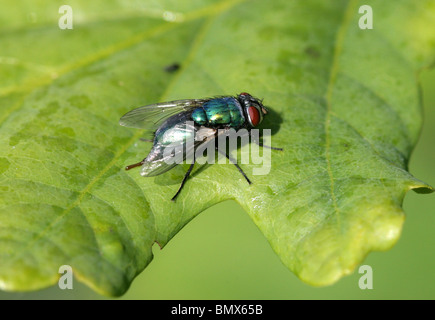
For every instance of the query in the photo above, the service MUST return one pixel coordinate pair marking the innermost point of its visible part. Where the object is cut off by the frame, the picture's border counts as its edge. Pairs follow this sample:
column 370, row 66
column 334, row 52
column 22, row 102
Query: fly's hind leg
column 134, row 165
column 184, row 180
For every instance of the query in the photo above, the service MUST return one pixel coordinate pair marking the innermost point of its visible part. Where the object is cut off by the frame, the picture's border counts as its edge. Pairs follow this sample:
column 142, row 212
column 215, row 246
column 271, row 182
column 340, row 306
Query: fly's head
column 253, row 108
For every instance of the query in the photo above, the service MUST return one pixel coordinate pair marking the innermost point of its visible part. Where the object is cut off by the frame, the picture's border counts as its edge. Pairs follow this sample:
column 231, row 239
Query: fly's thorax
column 199, row 116
column 218, row 112
column 253, row 109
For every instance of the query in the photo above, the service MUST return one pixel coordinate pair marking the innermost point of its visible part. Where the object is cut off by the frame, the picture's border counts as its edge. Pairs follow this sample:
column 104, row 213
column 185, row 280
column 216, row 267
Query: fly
column 174, row 122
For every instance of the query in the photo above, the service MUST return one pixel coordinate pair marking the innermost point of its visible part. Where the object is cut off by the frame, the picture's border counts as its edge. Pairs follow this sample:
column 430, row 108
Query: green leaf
column 346, row 108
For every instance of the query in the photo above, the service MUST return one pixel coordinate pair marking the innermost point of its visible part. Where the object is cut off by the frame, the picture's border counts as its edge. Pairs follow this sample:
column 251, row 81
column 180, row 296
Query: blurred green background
column 222, row 255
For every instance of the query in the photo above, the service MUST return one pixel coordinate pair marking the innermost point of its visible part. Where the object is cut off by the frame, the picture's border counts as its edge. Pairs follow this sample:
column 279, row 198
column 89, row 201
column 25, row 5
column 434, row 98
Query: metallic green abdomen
column 175, row 129
column 219, row 111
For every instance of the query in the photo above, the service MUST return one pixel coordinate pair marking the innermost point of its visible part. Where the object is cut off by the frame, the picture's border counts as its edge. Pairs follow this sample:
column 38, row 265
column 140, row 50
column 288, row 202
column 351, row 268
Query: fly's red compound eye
column 244, row 94
column 254, row 116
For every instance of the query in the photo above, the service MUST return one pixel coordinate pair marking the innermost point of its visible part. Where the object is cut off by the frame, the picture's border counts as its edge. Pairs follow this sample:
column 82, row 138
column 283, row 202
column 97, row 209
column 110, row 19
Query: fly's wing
column 160, row 163
column 164, row 157
column 150, row 117
column 171, row 141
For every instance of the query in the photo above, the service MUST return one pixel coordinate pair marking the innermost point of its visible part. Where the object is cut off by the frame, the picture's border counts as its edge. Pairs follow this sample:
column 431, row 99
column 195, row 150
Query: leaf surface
column 346, row 110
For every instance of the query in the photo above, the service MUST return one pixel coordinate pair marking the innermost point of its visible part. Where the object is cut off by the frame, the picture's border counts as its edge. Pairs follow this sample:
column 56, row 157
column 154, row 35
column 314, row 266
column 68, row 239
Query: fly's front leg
column 257, row 141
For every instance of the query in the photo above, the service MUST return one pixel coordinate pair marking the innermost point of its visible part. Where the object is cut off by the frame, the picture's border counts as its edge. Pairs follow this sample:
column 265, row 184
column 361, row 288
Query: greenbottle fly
column 175, row 122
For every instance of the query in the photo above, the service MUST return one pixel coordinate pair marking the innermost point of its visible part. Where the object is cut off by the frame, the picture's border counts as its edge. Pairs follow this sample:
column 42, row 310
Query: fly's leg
column 187, row 174
column 184, row 180
column 234, row 162
column 263, row 145
column 269, row 147
column 134, row 165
